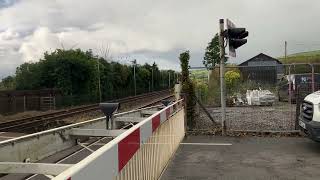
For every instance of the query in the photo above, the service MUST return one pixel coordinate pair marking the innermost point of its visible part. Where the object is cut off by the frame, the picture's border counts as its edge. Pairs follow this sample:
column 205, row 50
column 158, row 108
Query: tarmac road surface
column 237, row 158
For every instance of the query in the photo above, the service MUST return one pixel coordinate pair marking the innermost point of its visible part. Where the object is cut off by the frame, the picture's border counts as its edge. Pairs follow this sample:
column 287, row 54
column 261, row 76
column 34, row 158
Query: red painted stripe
column 168, row 113
column 155, row 122
column 127, row 147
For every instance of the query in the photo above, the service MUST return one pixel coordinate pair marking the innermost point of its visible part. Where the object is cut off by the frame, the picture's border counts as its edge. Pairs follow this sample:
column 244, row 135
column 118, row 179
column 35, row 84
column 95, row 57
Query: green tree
column 72, row 71
column 188, row 89
column 212, row 53
column 28, row 76
column 75, row 73
column 8, row 83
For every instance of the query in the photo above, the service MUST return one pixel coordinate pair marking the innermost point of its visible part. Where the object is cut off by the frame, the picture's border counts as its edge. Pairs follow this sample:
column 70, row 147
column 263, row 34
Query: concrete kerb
column 238, row 133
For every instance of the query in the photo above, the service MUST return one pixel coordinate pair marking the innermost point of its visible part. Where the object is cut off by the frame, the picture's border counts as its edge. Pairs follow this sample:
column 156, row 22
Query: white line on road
column 207, row 144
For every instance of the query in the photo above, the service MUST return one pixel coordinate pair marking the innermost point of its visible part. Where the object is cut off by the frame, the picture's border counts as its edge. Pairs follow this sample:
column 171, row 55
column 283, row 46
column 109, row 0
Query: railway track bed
column 59, row 118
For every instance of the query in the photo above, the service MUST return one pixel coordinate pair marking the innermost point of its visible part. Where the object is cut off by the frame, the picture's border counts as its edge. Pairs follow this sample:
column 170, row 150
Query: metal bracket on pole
column 109, row 109
column 166, row 102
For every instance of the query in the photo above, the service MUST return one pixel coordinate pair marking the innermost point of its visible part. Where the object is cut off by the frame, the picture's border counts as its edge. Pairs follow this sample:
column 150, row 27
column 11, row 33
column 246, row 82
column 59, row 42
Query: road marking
column 207, row 144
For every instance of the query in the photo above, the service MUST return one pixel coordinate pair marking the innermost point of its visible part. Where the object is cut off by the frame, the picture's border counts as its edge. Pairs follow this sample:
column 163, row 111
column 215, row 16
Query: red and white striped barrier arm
column 109, row 160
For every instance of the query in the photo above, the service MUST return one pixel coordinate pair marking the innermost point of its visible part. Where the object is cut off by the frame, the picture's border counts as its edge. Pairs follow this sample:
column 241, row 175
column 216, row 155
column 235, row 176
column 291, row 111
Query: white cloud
column 161, row 28
column 42, row 40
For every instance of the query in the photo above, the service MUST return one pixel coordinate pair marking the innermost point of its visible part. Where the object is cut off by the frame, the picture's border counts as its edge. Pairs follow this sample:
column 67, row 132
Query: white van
column 309, row 119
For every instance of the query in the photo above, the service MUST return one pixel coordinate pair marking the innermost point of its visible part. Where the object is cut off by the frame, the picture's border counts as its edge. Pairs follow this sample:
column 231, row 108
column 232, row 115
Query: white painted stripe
column 145, row 131
column 163, row 116
column 207, row 144
column 103, row 166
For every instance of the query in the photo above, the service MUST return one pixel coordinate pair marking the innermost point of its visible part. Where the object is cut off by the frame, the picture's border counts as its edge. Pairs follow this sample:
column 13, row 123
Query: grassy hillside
column 309, row 53
column 199, row 74
column 303, row 57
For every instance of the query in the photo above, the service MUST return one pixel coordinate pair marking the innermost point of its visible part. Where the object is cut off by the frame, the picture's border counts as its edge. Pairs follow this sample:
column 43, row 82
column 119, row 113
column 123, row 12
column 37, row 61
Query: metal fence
column 12, row 102
column 19, row 101
column 258, row 98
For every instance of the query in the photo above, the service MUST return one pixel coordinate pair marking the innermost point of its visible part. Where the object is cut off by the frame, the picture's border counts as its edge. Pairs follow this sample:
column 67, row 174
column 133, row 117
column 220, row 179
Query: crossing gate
column 141, row 152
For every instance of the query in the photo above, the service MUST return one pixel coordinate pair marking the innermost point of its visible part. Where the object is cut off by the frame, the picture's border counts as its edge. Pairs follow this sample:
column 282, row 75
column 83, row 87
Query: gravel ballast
column 279, row 117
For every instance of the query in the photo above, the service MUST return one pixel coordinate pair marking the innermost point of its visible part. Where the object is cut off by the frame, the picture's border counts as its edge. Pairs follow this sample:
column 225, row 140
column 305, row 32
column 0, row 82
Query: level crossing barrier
column 141, row 152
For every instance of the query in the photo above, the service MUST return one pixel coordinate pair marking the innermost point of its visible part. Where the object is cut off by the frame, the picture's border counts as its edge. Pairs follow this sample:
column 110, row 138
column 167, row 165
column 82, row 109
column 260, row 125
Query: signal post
column 235, row 38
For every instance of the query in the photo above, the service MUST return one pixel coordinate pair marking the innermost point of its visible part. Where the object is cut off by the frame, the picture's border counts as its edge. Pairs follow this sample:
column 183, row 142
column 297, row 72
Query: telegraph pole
column 285, row 50
column 222, row 83
column 99, row 81
column 152, row 79
column 134, row 77
column 169, row 78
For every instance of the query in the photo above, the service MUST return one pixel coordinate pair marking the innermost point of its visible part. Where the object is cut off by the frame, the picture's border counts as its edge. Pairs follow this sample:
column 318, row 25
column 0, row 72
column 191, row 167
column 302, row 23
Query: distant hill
column 303, row 57
column 308, row 53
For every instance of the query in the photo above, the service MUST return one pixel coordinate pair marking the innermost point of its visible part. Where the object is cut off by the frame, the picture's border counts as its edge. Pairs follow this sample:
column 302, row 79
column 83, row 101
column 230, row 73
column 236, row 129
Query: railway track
column 34, row 123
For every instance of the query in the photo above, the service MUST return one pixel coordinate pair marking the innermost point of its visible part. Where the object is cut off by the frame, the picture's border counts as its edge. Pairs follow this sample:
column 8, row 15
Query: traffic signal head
column 236, row 37
column 235, row 43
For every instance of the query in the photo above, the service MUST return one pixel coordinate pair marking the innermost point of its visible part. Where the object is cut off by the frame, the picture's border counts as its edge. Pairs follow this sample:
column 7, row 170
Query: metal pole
column 152, row 78
column 290, row 84
column 169, row 78
column 313, row 87
column 222, row 83
column 290, row 93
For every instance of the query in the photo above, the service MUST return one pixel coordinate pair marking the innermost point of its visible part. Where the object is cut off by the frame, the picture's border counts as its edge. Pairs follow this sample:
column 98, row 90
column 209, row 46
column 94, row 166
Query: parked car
column 302, row 81
column 309, row 119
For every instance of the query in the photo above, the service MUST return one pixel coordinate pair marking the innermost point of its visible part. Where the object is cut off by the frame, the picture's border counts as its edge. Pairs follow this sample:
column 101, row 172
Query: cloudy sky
column 150, row 30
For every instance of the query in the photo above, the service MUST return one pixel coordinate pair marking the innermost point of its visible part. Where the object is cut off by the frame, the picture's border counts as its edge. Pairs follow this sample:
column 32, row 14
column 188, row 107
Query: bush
column 188, row 89
column 201, row 90
column 232, row 79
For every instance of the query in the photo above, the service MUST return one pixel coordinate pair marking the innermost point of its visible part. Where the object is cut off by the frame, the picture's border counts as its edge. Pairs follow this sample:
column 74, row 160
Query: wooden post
column 24, row 103
column 285, row 50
